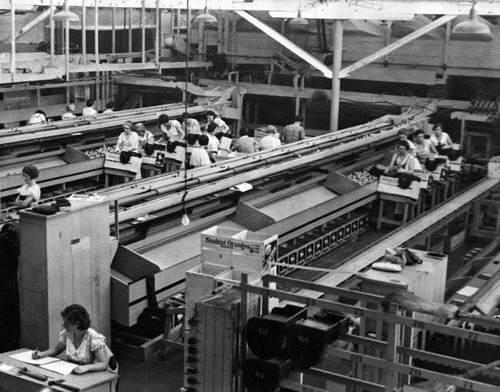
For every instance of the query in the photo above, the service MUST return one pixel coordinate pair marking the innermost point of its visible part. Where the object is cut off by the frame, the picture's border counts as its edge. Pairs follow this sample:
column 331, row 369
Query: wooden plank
column 283, row 91
column 395, row 45
column 287, row 43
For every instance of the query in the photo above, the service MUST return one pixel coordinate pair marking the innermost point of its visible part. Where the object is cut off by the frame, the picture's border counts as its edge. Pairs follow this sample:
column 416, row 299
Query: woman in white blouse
column 83, row 345
column 440, row 139
column 29, row 193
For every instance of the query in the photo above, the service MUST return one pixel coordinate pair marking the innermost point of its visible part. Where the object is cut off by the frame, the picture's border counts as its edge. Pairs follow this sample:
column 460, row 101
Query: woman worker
column 83, row 345
column 128, row 139
column 145, row 137
column 403, row 161
column 171, row 130
column 29, row 193
column 424, row 148
column 440, row 139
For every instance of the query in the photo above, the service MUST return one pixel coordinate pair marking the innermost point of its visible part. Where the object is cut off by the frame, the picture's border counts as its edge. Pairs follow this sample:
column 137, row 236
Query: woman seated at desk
column 84, row 346
column 440, row 139
column 29, row 193
column 403, row 161
column 424, row 148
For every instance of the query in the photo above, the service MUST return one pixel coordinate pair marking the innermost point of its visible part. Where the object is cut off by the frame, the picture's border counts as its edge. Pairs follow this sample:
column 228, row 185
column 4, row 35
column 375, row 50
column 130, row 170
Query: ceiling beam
column 320, row 9
column 28, row 26
column 287, row 43
column 395, row 45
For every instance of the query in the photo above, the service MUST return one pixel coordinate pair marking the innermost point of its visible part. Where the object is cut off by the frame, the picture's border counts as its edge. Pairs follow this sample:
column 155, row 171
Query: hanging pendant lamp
column 65, row 16
column 205, row 17
column 299, row 20
column 472, row 29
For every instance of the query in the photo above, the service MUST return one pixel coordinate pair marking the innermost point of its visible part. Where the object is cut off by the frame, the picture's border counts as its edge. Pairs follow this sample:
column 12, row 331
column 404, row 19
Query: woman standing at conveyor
column 29, row 193
column 128, row 139
column 403, row 161
column 440, row 139
column 424, row 148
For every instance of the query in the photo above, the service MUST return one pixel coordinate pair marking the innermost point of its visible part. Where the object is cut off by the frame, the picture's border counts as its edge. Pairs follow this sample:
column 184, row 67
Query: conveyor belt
column 209, row 180
column 61, row 129
column 229, row 166
column 362, row 260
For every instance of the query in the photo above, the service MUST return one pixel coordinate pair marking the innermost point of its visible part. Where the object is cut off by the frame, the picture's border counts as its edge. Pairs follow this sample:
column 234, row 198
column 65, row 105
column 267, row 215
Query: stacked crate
column 213, row 304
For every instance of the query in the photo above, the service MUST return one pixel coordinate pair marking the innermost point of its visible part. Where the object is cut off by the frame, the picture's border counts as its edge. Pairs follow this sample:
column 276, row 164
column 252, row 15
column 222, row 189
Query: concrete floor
column 152, row 376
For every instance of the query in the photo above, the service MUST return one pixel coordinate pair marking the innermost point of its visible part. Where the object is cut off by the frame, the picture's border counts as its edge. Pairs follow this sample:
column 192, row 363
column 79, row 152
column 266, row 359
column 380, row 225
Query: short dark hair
column 186, row 115
column 405, row 144
column 419, row 132
column 403, row 131
column 164, row 118
column 110, row 105
column 211, row 113
column 437, row 125
column 39, row 111
column 89, row 102
column 298, row 118
column 77, row 314
column 211, row 126
column 203, row 140
column 192, row 138
column 244, row 131
column 31, row 171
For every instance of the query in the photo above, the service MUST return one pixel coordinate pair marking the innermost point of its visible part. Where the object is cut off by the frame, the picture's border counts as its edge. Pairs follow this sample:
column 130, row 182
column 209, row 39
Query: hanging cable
column 185, row 218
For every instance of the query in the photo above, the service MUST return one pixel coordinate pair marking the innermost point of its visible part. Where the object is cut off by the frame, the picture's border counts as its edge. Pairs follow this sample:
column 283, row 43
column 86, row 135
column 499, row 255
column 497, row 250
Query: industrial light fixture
column 66, row 16
column 472, row 29
column 299, row 20
column 205, row 17
column 185, row 219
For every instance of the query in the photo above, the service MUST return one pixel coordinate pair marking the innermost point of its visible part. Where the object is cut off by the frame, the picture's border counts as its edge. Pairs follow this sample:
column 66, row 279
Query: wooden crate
column 236, row 241
column 201, row 282
column 214, row 336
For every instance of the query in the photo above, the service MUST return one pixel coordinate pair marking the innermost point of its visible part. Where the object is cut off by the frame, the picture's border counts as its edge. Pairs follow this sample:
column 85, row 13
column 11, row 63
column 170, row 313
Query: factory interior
column 250, row 195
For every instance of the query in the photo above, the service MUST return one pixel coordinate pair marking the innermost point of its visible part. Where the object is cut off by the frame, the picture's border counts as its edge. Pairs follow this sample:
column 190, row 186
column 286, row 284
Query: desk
column 12, row 382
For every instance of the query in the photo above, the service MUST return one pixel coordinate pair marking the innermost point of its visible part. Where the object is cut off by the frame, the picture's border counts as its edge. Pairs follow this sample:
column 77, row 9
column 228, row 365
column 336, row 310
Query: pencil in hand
column 36, row 354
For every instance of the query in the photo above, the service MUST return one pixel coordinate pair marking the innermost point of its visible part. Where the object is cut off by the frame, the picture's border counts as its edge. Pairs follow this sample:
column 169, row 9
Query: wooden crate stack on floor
column 213, row 314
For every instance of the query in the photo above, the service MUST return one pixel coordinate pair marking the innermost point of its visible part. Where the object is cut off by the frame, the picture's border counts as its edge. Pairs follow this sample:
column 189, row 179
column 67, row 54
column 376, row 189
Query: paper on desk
column 467, row 291
column 5, row 368
column 25, row 356
column 61, row 367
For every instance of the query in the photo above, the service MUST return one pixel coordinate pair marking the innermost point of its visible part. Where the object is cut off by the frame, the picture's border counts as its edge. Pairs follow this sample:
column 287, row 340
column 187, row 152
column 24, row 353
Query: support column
column 96, row 49
column 84, row 31
column 52, row 34
column 143, row 31
column 66, row 44
column 336, row 67
column 12, row 40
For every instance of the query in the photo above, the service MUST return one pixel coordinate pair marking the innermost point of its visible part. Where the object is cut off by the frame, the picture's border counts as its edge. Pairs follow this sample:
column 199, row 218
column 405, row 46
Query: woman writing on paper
column 84, row 346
